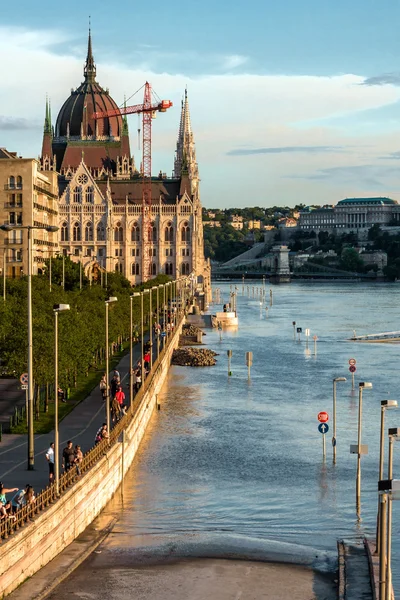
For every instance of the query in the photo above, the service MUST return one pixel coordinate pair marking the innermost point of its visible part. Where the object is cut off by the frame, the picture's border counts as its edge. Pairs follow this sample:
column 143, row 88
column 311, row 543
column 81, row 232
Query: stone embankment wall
column 38, row 543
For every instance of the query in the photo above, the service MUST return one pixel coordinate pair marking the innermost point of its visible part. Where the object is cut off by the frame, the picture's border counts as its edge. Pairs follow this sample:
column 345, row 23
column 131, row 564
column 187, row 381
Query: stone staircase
column 354, row 572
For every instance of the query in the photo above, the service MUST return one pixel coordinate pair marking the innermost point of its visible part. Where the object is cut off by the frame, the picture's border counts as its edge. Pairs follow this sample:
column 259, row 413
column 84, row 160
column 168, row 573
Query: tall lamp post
column 109, row 301
column 385, row 405
column 134, row 295
column 158, row 320
column 336, row 379
column 394, row 434
column 142, row 361
column 155, row 288
column 363, row 385
column 31, row 442
column 57, row 308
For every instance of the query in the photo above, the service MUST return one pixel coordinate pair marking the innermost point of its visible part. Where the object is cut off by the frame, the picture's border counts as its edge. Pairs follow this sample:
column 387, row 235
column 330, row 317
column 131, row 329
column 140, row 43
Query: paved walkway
column 80, row 426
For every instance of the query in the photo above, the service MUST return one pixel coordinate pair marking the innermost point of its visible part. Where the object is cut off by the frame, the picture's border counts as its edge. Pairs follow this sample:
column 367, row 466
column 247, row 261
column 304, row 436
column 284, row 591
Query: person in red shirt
column 120, row 398
column 146, row 359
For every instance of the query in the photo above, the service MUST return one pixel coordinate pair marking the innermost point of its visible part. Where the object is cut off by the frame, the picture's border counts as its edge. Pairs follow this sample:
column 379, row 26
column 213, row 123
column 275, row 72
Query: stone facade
column 28, row 197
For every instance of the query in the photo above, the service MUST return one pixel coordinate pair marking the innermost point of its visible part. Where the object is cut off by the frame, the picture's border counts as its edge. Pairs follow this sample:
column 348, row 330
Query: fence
column 48, row 496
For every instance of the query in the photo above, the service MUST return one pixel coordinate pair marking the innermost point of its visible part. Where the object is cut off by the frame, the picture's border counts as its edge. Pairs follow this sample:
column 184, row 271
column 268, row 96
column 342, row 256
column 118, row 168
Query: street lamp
column 31, row 442
column 142, row 317
column 363, row 385
column 154, row 287
column 336, row 379
column 134, row 295
column 385, row 405
column 109, row 301
column 57, row 308
column 393, row 434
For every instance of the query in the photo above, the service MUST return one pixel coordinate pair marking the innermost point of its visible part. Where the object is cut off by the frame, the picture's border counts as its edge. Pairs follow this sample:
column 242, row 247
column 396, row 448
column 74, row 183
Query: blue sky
column 290, row 102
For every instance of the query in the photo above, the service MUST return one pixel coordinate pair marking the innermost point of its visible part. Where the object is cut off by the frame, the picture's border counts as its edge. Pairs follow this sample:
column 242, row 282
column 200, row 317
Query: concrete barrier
column 32, row 547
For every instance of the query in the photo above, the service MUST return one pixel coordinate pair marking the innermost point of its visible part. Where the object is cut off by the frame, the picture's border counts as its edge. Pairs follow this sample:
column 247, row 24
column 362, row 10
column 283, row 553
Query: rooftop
column 379, row 200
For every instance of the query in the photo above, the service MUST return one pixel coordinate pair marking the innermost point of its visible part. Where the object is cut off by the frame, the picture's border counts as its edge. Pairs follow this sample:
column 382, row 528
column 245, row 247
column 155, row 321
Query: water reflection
column 228, row 454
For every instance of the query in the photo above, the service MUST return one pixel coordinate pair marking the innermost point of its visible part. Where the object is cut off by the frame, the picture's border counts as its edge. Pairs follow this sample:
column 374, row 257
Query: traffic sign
column 299, row 330
column 163, row 334
column 323, row 427
column 352, row 369
column 24, row 378
column 323, row 417
column 352, row 361
column 307, row 332
column 24, row 386
column 314, row 338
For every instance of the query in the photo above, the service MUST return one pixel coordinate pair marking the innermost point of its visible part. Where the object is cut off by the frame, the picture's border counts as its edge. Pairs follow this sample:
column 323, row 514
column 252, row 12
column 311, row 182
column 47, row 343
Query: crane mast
column 148, row 110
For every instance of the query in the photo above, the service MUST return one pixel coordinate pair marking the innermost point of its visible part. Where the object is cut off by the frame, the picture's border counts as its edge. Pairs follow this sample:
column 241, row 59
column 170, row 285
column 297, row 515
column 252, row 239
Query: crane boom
column 136, row 108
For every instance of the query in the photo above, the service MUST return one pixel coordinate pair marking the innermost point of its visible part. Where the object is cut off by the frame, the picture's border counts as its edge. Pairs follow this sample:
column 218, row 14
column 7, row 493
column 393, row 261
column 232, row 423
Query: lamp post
column 29, row 228
column 4, row 273
column 142, row 317
column 393, row 434
column 154, row 287
column 336, row 379
column 385, row 405
column 80, row 270
column 158, row 321
column 109, row 301
column 363, row 385
column 57, row 308
column 134, row 295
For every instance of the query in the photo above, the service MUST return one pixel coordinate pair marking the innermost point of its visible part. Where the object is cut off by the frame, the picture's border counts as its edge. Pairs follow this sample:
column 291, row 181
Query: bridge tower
column 280, row 272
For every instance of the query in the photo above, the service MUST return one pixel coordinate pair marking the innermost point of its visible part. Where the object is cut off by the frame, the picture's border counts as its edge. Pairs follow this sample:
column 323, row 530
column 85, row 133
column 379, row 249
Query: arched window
column 169, row 232
column 135, row 236
column 118, row 233
column 186, row 232
column 135, row 269
column 185, row 269
column 89, row 232
column 101, row 233
column 169, row 269
column 11, row 182
column 154, row 269
column 116, row 267
column 76, row 233
column 77, row 194
column 64, row 232
column 90, row 194
column 19, row 182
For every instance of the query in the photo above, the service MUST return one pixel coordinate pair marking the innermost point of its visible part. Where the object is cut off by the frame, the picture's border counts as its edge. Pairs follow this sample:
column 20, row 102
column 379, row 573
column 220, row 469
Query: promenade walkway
column 79, row 426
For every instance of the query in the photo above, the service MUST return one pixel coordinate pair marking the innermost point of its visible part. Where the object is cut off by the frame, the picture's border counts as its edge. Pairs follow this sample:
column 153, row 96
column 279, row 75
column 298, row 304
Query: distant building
column 212, row 223
column 287, row 222
column 254, row 224
column 351, row 214
column 211, row 215
column 236, row 221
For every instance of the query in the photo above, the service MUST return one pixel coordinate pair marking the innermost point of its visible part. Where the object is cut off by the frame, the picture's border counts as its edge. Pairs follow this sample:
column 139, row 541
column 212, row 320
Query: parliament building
column 87, row 183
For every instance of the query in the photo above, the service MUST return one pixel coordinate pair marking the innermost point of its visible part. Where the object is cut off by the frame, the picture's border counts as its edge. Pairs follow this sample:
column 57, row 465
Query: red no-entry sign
column 323, row 417
column 352, row 369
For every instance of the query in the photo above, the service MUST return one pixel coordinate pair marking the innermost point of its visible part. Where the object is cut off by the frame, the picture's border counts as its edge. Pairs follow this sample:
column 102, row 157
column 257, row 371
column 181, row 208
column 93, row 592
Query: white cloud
column 228, row 111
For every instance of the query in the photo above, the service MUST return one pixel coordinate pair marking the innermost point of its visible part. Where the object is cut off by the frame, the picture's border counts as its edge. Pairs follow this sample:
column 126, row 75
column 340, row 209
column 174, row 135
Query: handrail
column 49, row 495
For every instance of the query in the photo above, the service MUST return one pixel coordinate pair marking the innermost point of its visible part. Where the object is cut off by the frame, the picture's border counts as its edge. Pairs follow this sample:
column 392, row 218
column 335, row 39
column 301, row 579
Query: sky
column 291, row 102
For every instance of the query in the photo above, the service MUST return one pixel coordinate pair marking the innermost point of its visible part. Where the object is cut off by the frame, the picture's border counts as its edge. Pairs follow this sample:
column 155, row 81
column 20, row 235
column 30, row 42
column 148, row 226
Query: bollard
column 266, row 313
column 249, row 362
column 229, row 353
column 294, row 330
column 270, row 298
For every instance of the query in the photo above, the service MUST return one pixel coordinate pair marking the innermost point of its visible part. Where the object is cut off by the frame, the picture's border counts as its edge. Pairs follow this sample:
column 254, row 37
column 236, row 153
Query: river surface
column 234, row 467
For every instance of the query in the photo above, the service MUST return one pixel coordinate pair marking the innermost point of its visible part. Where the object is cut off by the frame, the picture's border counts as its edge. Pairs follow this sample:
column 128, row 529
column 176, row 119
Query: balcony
column 14, row 259
column 43, row 190
column 12, row 187
column 45, row 209
column 12, row 205
column 13, row 242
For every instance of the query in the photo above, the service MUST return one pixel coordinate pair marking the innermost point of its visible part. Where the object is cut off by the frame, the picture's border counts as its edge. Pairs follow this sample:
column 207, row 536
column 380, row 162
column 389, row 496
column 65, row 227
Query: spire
column 185, row 148
column 90, row 68
column 47, row 118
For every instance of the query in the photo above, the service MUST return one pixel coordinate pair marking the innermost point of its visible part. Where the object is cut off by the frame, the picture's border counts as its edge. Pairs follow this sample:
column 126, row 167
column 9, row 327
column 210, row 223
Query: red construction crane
column 148, row 110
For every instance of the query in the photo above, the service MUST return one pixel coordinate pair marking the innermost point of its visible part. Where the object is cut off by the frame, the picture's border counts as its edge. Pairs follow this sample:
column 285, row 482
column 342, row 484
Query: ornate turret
column 90, row 68
column 185, row 147
column 46, row 159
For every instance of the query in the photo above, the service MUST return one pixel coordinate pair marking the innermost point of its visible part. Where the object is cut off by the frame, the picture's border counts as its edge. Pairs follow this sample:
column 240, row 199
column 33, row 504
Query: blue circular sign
column 323, row 427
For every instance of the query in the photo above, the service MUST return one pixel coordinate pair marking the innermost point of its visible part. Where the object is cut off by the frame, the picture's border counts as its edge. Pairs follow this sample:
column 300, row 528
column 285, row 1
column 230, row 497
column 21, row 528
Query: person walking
column 78, row 459
column 68, row 456
column 120, row 398
column 103, row 387
column 138, row 379
column 50, row 460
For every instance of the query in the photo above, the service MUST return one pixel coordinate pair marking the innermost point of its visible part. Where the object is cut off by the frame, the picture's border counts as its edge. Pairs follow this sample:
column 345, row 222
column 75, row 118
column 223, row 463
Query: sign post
column 323, row 428
column 307, row 332
column 294, row 330
column 24, row 386
column 229, row 353
column 352, row 369
column 270, row 298
column 315, row 344
column 299, row 330
column 249, row 362
column 220, row 330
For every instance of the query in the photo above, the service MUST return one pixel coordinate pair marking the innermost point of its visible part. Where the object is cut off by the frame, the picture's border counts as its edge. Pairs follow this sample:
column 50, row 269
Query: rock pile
column 190, row 330
column 193, row 357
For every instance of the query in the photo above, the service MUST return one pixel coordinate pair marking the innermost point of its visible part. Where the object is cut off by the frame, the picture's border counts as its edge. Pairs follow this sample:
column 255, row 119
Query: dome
column 76, row 115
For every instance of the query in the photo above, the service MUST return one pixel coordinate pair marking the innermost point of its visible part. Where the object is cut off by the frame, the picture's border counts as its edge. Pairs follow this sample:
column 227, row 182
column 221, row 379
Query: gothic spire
column 47, row 119
column 185, row 149
column 90, row 68
column 125, row 130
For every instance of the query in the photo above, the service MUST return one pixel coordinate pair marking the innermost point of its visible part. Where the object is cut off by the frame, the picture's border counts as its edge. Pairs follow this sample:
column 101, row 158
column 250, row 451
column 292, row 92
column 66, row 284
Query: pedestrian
column 115, row 409
column 5, row 505
column 22, row 498
column 138, row 379
column 78, row 459
column 120, row 398
column 61, row 395
column 68, row 456
column 116, row 374
column 146, row 359
column 134, row 380
column 101, row 434
column 103, row 386
column 114, row 385
column 50, row 460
